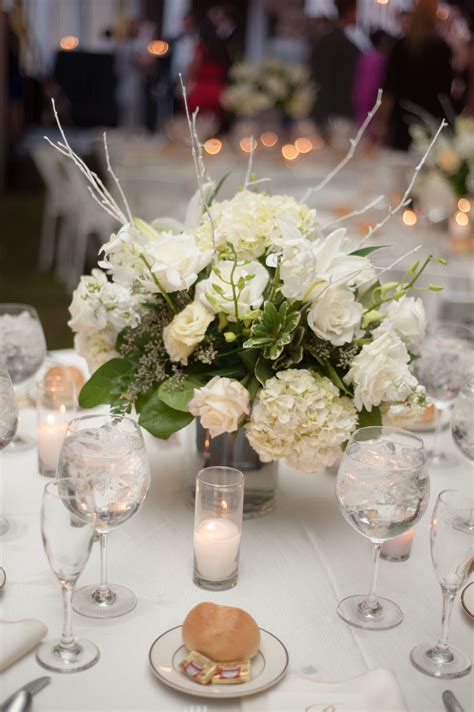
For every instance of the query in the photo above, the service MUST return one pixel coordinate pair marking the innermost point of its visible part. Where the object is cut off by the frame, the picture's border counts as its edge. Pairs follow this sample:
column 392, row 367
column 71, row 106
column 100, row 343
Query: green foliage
column 177, row 391
column 274, row 329
column 372, row 418
column 364, row 251
column 263, row 370
column 106, row 384
column 160, row 420
column 293, row 353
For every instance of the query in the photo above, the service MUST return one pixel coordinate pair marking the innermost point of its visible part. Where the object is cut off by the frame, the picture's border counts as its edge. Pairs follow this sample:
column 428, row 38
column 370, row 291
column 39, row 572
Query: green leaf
column 372, row 418
column 102, row 385
column 336, row 379
column 216, row 190
column 249, row 357
column 369, row 297
column 263, row 371
column 364, row 251
column 160, row 420
column 253, row 386
column 176, row 392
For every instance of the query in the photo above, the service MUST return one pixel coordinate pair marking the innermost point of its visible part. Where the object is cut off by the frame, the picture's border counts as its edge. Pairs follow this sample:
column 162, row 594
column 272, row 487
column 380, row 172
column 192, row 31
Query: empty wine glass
column 382, row 488
column 8, row 421
column 445, row 355
column 67, row 540
column 451, row 554
column 108, row 452
column 23, row 349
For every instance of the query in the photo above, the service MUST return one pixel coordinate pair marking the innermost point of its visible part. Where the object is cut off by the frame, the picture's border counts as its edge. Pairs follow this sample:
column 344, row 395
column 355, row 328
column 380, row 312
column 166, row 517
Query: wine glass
column 67, row 540
column 452, row 556
column 23, row 349
column 8, row 421
column 382, row 488
column 108, row 451
column 462, row 421
column 445, row 354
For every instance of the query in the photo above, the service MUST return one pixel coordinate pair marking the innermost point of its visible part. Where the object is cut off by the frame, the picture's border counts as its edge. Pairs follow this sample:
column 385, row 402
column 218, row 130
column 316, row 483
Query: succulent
column 275, row 328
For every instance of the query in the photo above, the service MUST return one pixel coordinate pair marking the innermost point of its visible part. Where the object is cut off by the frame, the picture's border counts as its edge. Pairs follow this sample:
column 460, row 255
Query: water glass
column 107, row 451
column 8, row 422
column 382, row 488
column 462, row 421
column 445, row 355
column 67, row 540
column 23, row 350
column 56, row 406
column 452, row 556
column 218, row 527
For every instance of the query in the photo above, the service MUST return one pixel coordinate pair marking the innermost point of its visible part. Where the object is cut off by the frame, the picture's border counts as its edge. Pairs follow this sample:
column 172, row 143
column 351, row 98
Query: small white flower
column 216, row 292
column 407, row 318
column 97, row 347
column 221, row 405
column 335, row 315
column 380, row 372
column 185, row 331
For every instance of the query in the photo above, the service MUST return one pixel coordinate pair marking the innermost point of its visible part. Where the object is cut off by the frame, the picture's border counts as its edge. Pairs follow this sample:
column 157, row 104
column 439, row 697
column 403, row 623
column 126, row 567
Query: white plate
column 268, row 666
column 467, row 599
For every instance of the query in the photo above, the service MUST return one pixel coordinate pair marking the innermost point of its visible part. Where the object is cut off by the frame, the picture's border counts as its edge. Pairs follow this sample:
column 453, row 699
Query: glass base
column 355, row 611
column 4, row 525
column 83, row 655
column 91, row 602
column 442, row 459
column 198, row 580
column 453, row 663
column 20, row 443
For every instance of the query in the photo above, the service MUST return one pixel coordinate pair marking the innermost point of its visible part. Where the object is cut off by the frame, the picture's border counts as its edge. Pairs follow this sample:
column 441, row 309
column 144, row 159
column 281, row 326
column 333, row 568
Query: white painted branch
column 354, row 213
column 249, row 164
column 116, row 180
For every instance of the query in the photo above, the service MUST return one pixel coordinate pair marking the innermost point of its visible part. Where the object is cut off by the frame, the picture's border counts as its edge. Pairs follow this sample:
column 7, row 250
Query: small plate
column 268, row 666
column 467, row 599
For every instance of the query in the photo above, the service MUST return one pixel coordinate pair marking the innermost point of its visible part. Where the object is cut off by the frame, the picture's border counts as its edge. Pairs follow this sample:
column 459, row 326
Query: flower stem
column 163, row 292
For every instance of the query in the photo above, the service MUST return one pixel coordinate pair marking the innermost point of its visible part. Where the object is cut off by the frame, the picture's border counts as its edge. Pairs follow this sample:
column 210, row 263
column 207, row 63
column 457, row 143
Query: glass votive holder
column 398, row 548
column 218, row 527
column 56, row 405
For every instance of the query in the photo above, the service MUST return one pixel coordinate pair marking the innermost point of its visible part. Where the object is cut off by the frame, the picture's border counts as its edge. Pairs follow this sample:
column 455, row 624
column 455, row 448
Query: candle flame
column 224, row 506
column 50, row 419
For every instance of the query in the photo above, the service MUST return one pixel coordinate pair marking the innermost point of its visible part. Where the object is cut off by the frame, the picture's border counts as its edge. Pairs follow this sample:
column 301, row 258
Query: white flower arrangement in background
column 271, row 84
column 251, row 314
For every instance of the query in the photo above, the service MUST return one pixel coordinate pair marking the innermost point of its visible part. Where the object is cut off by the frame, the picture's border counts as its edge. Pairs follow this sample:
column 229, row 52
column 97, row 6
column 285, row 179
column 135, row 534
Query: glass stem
column 438, row 414
column 67, row 638
column 371, row 600
column 103, row 587
column 448, row 600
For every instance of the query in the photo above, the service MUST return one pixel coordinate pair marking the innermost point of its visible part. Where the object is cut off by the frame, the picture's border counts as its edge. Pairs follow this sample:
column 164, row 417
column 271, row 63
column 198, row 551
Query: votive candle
column 398, row 548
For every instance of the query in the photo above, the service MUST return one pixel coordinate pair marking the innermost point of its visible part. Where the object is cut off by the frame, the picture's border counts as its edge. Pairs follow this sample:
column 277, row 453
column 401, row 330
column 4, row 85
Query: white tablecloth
column 295, row 566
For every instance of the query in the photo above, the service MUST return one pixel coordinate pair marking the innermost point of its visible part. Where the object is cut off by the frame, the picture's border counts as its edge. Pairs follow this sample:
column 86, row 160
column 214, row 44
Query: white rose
column 407, row 318
column 380, row 372
column 97, row 347
column 335, row 315
column 221, row 405
column 186, row 330
column 249, row 280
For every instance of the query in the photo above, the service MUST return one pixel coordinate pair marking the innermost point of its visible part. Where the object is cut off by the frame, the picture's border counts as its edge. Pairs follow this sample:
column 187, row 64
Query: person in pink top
column 370, row 74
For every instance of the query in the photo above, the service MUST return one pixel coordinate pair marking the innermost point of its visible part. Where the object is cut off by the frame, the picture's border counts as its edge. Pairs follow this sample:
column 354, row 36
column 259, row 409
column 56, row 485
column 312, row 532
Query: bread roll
column 223, row 633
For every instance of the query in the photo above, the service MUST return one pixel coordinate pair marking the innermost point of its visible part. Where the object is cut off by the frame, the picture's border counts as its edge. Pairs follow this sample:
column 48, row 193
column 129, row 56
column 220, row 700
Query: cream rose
column 187, row 329
column 221, row 405
column 335, row 315
column 380, row 372
column 407, row 318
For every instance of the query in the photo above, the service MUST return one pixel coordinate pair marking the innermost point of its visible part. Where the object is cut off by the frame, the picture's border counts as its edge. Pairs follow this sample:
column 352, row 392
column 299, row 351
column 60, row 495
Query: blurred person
column 183, row 47
column 469, row 103
column 419, row 73
column 404, row 20
column 133, row 64
column 370, row 74
column 333, row 64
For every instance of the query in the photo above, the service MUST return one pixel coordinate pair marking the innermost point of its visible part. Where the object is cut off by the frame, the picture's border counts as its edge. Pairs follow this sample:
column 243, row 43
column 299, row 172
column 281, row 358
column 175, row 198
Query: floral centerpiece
column 449, row 170
column 251, row 314
column 271, row 84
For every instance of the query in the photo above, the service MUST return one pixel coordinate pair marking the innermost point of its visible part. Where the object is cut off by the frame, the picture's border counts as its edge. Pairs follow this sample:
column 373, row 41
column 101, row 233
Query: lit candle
column 460, row 231
column 398, row 548
column 216, row 548
column 50, row 435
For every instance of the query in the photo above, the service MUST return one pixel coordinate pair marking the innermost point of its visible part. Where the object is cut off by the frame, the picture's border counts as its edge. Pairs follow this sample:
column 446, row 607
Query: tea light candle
column 216, row 548
column 398, row 548
column 50, row 435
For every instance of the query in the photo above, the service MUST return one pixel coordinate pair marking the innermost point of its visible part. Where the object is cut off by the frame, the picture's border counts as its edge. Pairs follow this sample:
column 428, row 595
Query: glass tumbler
column 218, row 527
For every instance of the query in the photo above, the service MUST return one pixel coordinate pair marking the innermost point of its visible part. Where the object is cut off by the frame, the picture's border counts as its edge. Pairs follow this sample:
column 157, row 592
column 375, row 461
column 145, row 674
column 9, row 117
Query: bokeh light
column 69, row 42
column 269, row 138
column 213, row 146
column 409, row 217
column 158, row 47
column 462, row 219
column 464, row 205
column 289, row 151
column 303, row 145
column 248, row 143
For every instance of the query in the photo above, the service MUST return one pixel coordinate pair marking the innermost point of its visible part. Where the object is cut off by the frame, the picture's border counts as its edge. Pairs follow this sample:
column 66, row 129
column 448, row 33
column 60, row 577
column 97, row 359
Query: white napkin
column 17, row 638
column 375, row 691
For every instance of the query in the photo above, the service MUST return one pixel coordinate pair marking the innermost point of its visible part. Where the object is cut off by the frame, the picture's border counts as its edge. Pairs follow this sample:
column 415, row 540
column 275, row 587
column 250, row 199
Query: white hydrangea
column 97, row 347
column 98, row 303
column 380, row 372
column 300, row 416
column 253, row 222
column 148, row 258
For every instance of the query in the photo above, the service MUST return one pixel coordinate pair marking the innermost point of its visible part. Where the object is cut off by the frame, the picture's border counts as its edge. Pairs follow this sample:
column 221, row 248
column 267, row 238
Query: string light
column 248, row 144
column 409, row 217
column 464, row 205
column 213, row 146
column 462, row 219
column 158, row 48
column 269, row 138
column 289, row 151
column 303, row 145
column 69, row 42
